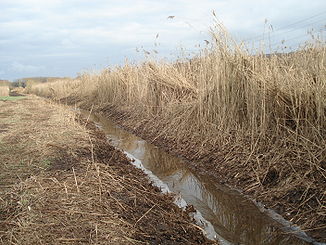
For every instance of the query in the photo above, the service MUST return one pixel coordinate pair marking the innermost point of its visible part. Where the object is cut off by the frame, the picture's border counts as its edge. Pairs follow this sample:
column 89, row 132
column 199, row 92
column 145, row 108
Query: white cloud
column 71, row 31
column 21, row 68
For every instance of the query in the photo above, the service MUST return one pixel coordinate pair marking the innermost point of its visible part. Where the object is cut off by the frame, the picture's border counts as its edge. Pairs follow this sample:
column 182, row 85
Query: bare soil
column 62, row 183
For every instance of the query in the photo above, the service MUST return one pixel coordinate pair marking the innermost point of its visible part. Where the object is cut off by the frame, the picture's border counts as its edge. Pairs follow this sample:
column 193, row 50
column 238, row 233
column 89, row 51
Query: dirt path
column 62, row 183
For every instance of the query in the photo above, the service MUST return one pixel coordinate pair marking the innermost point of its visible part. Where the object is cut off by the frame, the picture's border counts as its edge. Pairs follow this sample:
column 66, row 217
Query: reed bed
column 4, row 91
column 265, row 113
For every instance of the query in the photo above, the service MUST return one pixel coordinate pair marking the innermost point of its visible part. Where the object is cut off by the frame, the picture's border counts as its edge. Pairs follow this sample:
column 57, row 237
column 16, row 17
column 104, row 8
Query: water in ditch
column 225, row 215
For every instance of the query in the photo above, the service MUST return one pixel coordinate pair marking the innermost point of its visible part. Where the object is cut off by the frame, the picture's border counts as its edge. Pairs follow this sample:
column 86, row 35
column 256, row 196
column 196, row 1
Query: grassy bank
column 62, row 183
column 258, row 122
column 11, row 98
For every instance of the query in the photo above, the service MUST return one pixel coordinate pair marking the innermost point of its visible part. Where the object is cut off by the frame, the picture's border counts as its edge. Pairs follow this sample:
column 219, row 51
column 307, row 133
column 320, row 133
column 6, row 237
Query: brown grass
column 39, row 201
column 4, row 91
column 62, row 183
column 263, row 117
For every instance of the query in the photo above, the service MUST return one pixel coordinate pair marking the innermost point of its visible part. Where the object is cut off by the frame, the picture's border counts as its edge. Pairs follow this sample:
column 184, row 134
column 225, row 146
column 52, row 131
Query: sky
column 68, row 37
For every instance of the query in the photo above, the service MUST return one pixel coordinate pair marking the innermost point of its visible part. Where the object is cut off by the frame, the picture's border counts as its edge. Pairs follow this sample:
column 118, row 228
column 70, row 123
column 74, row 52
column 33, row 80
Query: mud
column 64, row 184
column 164, row 222
column 235, row 176
column 233, row 218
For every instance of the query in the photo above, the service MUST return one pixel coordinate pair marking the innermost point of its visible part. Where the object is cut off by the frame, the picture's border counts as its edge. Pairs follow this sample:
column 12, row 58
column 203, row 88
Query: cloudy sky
column 64, row 37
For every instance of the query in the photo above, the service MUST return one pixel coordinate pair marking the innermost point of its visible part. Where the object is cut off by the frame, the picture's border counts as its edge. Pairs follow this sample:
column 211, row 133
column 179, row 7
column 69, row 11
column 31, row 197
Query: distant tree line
column 23, row 82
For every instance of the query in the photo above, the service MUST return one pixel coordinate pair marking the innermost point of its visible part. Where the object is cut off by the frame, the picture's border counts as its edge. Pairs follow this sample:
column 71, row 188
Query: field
column 62, row 183
column 255, row 121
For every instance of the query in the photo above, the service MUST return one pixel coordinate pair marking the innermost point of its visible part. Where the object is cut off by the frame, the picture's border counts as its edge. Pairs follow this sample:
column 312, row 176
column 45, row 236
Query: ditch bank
column 223, row 213
column 295, row 203
column 157, row 219
column 63, row 183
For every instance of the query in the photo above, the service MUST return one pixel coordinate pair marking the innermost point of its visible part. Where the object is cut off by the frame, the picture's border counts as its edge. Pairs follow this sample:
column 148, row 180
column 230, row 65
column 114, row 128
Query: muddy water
column 228, row 217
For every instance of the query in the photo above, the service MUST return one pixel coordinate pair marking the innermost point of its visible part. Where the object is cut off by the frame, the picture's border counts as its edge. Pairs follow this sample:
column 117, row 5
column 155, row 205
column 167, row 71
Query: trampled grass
column 61, row 182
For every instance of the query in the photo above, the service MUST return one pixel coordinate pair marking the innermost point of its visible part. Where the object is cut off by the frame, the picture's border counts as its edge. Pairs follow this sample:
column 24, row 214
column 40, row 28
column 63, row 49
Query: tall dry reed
column 265, row 113
column 4, row 91
column 225, row 87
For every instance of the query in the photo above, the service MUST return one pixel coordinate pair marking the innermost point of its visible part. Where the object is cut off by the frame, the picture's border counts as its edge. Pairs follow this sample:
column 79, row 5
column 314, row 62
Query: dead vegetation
column 62, row 183
column 256, row 121
column 4, row 90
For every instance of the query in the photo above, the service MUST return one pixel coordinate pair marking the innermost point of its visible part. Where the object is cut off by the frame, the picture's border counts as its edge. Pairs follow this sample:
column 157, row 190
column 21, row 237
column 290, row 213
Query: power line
column 288, row 43
column 273, row 35
column 289, row 25
column 303, row 20
column 287, row 40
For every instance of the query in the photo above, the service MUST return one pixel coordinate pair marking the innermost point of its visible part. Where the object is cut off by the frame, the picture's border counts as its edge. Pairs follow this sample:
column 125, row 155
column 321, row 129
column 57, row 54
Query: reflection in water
column 234, row 218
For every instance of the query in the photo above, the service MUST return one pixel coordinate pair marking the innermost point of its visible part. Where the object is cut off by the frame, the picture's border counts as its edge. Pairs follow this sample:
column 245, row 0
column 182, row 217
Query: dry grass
column 263, row 116
column 47, row 197
column 4, row 91
column 62, row 183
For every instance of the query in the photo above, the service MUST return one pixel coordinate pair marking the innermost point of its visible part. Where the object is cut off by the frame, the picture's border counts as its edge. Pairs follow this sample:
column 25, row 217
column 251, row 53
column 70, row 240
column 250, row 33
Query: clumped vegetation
column 61, row 182
column 258, row 119
column 4, row 90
